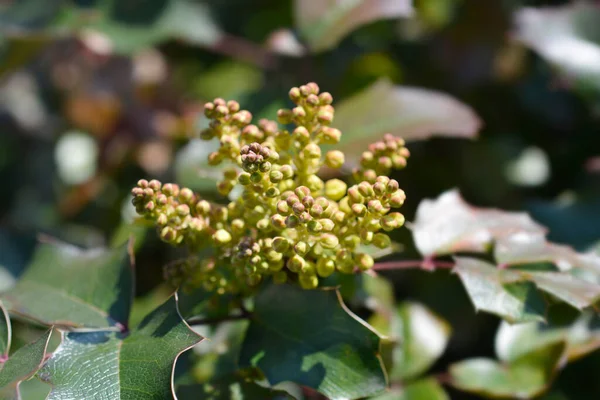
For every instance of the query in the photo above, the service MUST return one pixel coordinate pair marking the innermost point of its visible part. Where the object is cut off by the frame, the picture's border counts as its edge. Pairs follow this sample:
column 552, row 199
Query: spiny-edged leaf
column 524, row 247
column 231, row 388
column 412, row 113
column 137, row 366
column 518, row 301
column 309, row 337
column 448, row 224
column 21, row 365
column 424, row 389
column 524, row 378
column 325, row 23
column 422, row 338
column 581, row 337
column 566, row 287
column 5, row 332
column 68, row 286
column 567, row 37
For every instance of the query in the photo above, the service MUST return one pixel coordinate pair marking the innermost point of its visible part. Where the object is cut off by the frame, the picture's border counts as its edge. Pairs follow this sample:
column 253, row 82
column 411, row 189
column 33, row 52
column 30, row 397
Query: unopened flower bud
column 299, row 112
column 280, row 244
column 397, row 199
column 278, row 221
column 142, row 183
column 183, row 210
column 154, row 185
column 203, row 207
column 364, row 261
column 295, row 263
column 292, row 221
column 359, row 210
column 295, row 94
column 301, row 248
column 329, row 241
column 221, row 236
column 334, row 159
column 392, row 221
column 275, row 176
column 325, row 98
column 335, row 189
column 381, row 240
column 170, row 189
column 325, row 267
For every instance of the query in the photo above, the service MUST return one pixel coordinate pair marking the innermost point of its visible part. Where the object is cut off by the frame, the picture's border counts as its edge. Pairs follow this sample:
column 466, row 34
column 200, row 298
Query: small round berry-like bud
column 292, row 221
column 312, row 150
column 142, row 183
column 224, row 187
column 313, row 87
column 325, row 117
column 308, row 282
column 162, row 219
column 304, row 90
column 308, row 269
column 301, row 248
column 233, row 106
column 154, row 185
column 364, row 261
column 339, row 216
column 354, row 195
column 221, row 236
column 301, row 134
column 295, row 263
column 379, row 188
column 256, row 177
column 280, row 277
column 170, row 189
column 238, row 225
column 392, row 221
column 329, row 241
column 278, row 221
column 325, row 267
column 334, row 159
column 221, row 111
column 284, row 116
column 381, row 240
column 365, row 189
column 366, row 236
column 244, row 178
column 287, row 171
column 327, row 224
column 397, row 199
column 314, row 183
column 392, row 186
column 280, row 244
column 359, row 210
column 272, row 192
column 209, row 109
column 375, row 206
column 312, row 100
column 305, row 217
column 295, row 94
column 215, row 158
column 292, row 199
column 183, row 210
column 325, row 98
column 203, row 207
column 301, row 192
column 335, row 189
column 352, row 241
column 168, row 234
column 276, row 176
column 148, row 192
column 316, row 211
column 149, row 206
column 283, row 207
column 263, row 224
column 330, row 135
column 314, row 226
column 299, row 112
column 298, row 208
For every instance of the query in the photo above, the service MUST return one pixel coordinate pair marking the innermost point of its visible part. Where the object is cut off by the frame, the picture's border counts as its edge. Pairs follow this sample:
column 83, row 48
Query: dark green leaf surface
column 524, row 378
column 413, row 114
column 518, row 301
column 422, row 339
column 233, row 388
column 107, row 365
column 310, row 338
column 68, row 286
column 425, row 389
column 5, row 332
column 22, row 365
column 325, row 23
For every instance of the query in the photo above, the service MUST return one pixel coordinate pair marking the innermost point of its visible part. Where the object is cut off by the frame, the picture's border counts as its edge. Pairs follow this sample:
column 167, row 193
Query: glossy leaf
column 448, row 224
column 522, row 248
column 68, row 286
column 518, row 301
column 422, row 339
column 21, row 365
column 137, row 366
column 565, row 36
column 412, row 113
column 524, row 378
column 231, row 388
column 309, row 337
column 325, row 23
column 424, row 389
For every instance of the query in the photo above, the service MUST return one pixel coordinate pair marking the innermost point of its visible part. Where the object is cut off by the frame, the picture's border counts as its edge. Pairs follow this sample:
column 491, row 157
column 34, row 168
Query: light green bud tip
column 364, row 261
column 334, row 159
column 335, row 189
column 221, row 236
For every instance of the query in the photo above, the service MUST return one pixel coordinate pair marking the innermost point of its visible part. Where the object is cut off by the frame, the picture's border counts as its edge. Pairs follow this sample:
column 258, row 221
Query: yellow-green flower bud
column 283, row 207
column 359, row 210
column 287, row 171
column 221, row 236
column 329, row 241
column 366, row 236
column 312, row 150
column 284, row 116
column 273, row 255
column 278, row 221
column 335, row 189
column 301, row 192
column 397, row 199
column 381, row 240
column 308, row 281
column 334, row 159
column 308, row 269
column 183, row 210
column 352, row 241
column 280, row 244
column 244, row 178
column 170, row 189
column 364, row 261
column 301, row 248
column 263, row 224
column 327, row 224
column 392, row 221
column 314, row 183
column 325, row 267
column 275, row 176
column 295, row 263
column 280, row 277
column 314, row 226
column 162, row 219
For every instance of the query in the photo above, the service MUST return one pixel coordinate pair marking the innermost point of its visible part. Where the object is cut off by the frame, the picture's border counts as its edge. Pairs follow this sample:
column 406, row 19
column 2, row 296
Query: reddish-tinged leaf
column 448, row 225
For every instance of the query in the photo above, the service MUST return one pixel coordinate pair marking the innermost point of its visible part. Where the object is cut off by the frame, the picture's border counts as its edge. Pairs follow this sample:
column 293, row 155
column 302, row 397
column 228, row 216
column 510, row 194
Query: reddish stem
column 410, row 264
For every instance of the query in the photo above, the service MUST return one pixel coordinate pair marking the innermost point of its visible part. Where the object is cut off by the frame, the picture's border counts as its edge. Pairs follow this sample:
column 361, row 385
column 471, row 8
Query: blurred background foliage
column 97, row 94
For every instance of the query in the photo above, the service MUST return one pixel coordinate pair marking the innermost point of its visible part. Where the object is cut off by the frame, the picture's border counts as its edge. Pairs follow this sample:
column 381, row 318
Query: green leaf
column 22, row 365
column 424, row 389
column 566, row 36
column 524, row 378
column 422, row 339
column 232, row 388
column 448, row 225
column 5, row 332
column 566, row 287
column 412, row 113
column 325, row 23
column 309, row 337
column 137, row 366
column 68, row 286
column 518, row 301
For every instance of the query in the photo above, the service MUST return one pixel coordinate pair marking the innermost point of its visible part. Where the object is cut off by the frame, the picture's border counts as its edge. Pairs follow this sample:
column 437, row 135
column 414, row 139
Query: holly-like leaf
column 422, row 338
column 112, row 365
column 68, row 286
column 5, row 332
column 230, row 388
column 309, row 337
column 523, row 248
column 21, row 365
column 412, row 113
column 424, row 389
column 566, row 287
column 448, row 225
column 566, row 36
column 524, row 378
column 325, row 23
column 490, row 291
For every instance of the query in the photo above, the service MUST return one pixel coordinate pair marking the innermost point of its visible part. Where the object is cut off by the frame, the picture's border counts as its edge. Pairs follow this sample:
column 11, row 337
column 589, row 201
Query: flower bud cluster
column 287, row 224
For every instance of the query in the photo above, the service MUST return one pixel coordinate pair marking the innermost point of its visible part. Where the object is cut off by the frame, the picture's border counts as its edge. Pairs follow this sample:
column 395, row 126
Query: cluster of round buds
column 287, row 224
column 381, row 158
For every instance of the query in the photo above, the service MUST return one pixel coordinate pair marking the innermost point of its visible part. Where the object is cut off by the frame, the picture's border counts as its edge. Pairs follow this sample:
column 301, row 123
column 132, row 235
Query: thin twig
column 410, row 264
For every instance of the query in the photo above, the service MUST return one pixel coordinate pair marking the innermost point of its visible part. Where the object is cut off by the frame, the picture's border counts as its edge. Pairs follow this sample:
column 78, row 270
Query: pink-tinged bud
column 287, row 171
column 215, row 158
column 219, row 102
column 154, row 185
column 308, row 201
column 364, row 261
column 305, row 217
column 330, row 135
column 365, row 189
column 137, row 191
column 392, row 221
column 148, row 192
column 397, row 199
column 203, row 207
column 354, row 195
column 283, row 207
column 233, row 106
column 162, row 219
column 284, row 116
column 359, row 209
column 334, row 159
column 313, row 88
column 312, row 100
column 301, row 134
column 385, row 162
column 325, row 117
column 209, row 109
column 168, row 234
column 221, row 111
column 298, row 208
column 142, row 183
column 304, row 90
column 149, row 206
column 325, row 98
column 186, row 195
column 278, row 221
column 301, row 192
column 292, row 199
column 299, row 112
column 327, row 224
column 295, row 94
column 242, row 118
column 183, row 210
